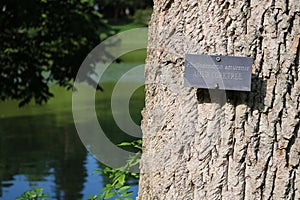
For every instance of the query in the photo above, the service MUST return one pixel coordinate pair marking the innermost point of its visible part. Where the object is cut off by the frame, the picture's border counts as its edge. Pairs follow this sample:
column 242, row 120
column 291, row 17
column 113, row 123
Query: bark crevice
column 244, row 146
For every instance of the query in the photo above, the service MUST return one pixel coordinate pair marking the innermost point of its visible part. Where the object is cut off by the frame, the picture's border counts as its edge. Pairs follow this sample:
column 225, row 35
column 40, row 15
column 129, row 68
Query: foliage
column 142, row 17
column 35, row 194
column 119, row 9
column 136, row 144
column 43, row 42
column 119, row 188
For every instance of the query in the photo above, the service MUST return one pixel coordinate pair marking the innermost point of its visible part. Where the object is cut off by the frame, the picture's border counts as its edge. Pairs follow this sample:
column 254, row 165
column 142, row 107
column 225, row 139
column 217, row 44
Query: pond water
column 39, row 147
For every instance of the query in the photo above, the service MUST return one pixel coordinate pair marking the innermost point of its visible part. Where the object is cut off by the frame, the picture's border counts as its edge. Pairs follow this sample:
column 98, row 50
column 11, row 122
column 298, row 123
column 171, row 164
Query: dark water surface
column 39, row 147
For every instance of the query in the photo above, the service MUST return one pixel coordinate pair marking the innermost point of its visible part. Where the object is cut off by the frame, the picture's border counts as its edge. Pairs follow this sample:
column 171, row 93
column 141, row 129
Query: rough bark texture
column 201, row 145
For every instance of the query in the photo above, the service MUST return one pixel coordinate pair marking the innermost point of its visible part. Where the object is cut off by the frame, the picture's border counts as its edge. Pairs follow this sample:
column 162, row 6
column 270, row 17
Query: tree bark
column 216, row 145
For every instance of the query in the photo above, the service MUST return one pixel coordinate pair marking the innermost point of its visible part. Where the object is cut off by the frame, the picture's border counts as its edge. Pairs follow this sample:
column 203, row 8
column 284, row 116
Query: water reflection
column 39, row 147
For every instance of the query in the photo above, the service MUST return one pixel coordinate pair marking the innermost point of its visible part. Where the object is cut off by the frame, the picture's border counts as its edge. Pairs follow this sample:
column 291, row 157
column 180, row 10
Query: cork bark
column 200, row 144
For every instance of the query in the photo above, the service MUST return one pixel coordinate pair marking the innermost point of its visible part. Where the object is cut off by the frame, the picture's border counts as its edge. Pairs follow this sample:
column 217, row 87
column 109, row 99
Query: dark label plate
column 218, row 72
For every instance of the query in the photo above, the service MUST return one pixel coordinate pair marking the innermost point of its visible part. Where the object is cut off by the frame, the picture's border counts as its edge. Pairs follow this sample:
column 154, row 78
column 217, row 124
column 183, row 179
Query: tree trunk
column 211, row 145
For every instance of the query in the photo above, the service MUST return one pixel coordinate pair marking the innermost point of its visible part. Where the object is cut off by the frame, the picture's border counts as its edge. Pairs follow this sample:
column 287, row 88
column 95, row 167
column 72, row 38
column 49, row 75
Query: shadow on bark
column 253, row 99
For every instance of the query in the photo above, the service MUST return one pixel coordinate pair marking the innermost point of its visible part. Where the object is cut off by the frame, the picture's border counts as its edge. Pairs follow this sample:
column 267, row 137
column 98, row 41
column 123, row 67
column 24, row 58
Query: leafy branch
column 35, row 194
column 118, row 187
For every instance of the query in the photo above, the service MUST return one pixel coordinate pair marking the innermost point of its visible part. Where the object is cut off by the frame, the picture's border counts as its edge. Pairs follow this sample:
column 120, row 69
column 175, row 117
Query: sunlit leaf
column 109, row 195
column 124, row 188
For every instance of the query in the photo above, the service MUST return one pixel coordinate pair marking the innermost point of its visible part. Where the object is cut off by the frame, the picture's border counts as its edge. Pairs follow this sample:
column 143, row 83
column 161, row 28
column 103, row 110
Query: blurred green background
column 43, row 43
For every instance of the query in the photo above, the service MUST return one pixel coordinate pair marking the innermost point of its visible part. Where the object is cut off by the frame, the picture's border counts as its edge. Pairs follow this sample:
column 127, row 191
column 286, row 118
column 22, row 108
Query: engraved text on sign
column 218, row 72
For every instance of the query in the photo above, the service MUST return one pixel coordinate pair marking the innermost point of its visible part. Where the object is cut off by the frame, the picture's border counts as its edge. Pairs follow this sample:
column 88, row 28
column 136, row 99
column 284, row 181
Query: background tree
column 247, row 147
column 118, row 10
column 44, row 42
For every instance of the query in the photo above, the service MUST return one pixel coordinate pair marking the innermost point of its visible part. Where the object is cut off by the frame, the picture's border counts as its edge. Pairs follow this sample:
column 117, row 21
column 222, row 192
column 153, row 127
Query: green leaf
column 35, row 194
column 109, row 195
column 98, row 171
column 121, row 179
column 124, row 189
column 124, row 144
column 92, row 197
column 118, row 185
column 107, row 189
column 126, row 194
column 11, row 50
column 107, row 170
column 39, row 191
column 101, row 196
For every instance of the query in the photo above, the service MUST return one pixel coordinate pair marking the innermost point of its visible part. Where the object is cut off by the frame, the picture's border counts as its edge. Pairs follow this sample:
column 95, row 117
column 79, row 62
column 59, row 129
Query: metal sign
column 218, row 72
